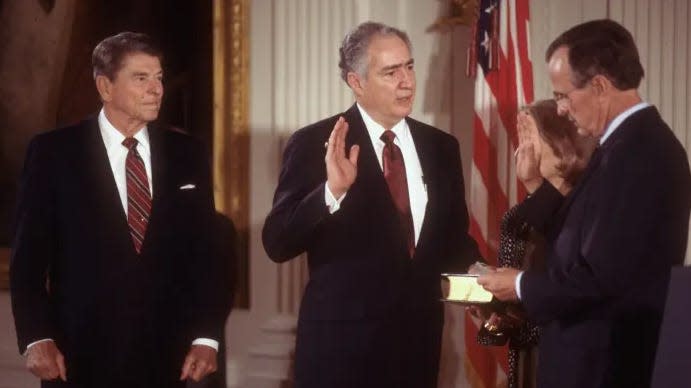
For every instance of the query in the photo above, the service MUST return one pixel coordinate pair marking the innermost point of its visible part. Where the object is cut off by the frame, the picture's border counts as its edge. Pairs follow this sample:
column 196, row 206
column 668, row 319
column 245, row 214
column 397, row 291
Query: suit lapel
column 592, row 166
column 160, row 172
column 159, row 165
column 601, row 152
column 425, row 153
column 101, row 181
column 370, row 173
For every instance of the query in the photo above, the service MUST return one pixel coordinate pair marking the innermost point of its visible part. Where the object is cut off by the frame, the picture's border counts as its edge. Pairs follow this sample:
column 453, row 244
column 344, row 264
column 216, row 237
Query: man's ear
column 104, row 87
column 601, row 84
column 355, row 83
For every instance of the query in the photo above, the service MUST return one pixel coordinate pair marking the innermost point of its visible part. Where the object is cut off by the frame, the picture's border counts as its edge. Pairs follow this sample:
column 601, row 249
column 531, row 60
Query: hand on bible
column 480, row 268
column 341, row 169
column 501, row 283
column 200, row 362
column 45, row 361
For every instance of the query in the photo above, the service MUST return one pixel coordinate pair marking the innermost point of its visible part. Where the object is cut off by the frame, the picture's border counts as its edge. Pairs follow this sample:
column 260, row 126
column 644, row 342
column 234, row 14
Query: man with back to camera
column 114, row 279
column 376, row 201
column 620, row 230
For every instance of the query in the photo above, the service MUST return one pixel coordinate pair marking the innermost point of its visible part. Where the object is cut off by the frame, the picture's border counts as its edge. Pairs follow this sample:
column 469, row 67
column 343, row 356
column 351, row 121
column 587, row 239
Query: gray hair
column 108, row 55
column 353, row 50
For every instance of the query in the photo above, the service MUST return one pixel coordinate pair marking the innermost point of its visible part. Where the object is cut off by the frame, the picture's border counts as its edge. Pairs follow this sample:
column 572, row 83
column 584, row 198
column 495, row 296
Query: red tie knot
column 388, row 136
column 130, row 142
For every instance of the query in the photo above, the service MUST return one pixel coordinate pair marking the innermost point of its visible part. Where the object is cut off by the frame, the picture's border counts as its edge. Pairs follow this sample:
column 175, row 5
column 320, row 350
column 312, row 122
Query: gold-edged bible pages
column 463, row 288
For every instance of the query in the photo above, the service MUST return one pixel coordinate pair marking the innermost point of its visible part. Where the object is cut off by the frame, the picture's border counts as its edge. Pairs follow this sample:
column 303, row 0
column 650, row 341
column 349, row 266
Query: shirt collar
column 112, row 137
column 620, row 119
column 375, row 130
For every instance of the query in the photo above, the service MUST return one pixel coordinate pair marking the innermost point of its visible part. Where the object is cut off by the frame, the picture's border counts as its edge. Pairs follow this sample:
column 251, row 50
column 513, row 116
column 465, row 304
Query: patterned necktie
column 138, row 194
column 394, row 173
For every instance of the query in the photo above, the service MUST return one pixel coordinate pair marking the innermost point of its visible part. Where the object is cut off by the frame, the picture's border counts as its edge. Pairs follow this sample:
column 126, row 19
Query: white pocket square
column 188, row 186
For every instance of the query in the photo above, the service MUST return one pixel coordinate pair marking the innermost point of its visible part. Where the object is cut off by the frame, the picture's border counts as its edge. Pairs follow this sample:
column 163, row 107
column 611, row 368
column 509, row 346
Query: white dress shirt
column 117, row 154
column 417, row 190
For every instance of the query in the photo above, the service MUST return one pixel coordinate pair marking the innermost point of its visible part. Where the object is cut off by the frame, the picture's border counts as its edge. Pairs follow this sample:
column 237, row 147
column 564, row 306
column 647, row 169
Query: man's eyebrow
column 398, row 65
column 145, row 73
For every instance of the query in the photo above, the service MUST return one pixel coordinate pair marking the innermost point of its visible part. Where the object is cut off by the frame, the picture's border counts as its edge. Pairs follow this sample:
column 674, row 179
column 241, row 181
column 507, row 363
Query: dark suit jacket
column 370, row 316
column 622, row 229
column 120, row 319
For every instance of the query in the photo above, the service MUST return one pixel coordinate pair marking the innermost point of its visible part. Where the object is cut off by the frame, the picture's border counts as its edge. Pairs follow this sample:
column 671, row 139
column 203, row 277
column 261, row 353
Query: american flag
column 499, row 58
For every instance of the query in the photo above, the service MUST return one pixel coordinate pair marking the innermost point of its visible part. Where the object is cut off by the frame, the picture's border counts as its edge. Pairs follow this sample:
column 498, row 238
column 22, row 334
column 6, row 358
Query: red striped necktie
column 138, row 194
column 394, row 173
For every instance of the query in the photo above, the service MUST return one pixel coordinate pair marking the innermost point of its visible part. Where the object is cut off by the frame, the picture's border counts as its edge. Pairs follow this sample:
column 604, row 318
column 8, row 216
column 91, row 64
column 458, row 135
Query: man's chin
column 404, row 110
column 150, row 116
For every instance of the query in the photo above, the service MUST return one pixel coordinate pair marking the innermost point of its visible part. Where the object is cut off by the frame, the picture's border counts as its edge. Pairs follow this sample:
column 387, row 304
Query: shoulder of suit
column 644, row 142
column 316, row 133
column 644, row 129
column 324, row 125
column 67, row 134
column 430, row 130
column 178, row 144
column 319, row 128
column 412, row 123
column 172, row 134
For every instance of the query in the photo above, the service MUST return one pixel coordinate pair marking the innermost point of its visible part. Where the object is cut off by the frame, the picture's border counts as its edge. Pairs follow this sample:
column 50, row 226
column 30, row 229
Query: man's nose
column 562, row 110
column 407, row 77
column 156, row 87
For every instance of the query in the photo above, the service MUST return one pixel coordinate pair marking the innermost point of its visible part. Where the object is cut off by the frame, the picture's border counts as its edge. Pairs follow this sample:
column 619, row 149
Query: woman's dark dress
column 519, row 247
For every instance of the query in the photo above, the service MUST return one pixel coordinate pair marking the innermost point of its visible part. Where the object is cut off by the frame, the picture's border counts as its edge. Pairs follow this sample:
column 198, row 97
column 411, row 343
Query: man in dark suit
column 113, row 271
column 615, row 238
column 376, row 201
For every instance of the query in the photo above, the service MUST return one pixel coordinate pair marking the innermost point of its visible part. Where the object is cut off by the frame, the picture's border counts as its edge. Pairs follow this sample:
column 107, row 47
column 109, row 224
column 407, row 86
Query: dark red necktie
column 138, row 194
column 394, row 173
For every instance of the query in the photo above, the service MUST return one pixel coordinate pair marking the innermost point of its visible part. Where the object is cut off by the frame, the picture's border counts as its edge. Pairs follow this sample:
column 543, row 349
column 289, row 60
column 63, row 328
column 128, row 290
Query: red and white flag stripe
column 503, row 84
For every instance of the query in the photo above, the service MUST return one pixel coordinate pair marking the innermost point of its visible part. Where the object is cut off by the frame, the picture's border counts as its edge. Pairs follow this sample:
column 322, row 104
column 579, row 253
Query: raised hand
column 341, row 170
column 528, row 152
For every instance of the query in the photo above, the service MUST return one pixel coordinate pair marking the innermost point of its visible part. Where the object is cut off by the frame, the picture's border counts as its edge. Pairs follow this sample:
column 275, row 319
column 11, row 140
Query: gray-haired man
column 376, row 201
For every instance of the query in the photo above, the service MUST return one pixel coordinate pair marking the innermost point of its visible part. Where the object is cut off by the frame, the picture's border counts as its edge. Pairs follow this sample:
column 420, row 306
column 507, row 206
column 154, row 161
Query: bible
column 464, row 289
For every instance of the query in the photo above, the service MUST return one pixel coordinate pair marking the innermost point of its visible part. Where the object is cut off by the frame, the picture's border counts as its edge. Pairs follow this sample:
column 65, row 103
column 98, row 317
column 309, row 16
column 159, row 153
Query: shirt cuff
column 206, row 342
column 518, row 285
column 34, row 343
column 331, row 202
